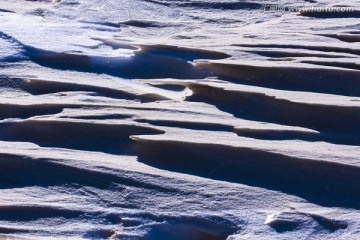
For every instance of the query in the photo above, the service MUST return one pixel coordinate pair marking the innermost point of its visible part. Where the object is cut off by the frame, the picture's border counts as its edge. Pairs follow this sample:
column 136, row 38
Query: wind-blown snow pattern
column 186, row 119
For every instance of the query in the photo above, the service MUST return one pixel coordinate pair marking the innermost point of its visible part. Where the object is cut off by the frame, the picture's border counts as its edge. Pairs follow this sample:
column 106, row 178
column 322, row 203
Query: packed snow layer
column 199, row 119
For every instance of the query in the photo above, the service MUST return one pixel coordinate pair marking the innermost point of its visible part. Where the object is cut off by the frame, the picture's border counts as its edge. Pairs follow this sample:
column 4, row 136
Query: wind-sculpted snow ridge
column 186, row 119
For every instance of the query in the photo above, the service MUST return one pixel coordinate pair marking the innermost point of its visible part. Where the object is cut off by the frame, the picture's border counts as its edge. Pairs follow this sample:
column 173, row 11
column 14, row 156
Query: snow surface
column 162, row 119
